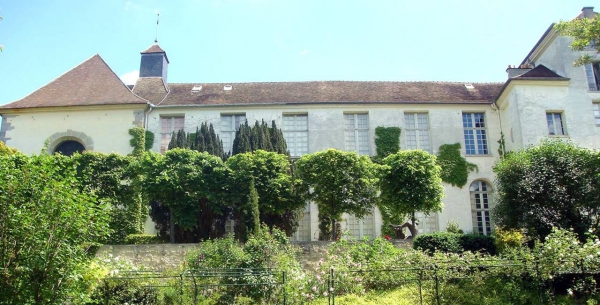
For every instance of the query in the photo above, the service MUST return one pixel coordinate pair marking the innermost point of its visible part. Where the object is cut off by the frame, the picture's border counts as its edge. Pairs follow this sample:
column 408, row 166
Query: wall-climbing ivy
column 502, row 146
column 149, row 140
column 455, row 168
column 387, row 141
column 138, row 140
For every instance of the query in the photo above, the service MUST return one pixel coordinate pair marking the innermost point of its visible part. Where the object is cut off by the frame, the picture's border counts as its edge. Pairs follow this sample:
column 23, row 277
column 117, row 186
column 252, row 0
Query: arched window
column 481, row 198
column 69, row 147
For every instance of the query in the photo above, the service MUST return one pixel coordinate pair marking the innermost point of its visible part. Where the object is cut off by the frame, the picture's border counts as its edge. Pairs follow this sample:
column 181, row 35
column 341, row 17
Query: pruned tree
column 554, row 184
column 410, row 181
column 341, row 182
column 280, row 197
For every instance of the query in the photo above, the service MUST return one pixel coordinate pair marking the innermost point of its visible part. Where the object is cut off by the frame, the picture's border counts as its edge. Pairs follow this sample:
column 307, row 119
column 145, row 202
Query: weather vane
column 156, row 37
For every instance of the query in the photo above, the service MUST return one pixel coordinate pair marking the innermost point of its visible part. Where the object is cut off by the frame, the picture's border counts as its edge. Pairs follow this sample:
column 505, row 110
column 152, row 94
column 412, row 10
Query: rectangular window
column 168, row 125
column 596, row 113
column 475, row 133
column 592, row 73
column 295, row 132
column 416, row 129
column 357, row 132
column 230, row 123
column 555, row 124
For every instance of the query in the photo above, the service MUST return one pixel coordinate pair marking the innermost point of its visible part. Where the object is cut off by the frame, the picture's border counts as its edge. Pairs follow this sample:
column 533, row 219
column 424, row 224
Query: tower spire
column 156, row 37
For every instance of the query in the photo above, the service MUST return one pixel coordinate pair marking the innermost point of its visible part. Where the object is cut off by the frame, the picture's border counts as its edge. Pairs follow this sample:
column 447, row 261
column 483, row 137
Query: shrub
column 453, row 227
column 440, row 241
column 123, row 292
column 508, row 239
column 478, row 243
column 143, row 239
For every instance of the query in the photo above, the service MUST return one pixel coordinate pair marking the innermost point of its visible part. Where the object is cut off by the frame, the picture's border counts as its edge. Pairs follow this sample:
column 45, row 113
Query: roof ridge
column 331, row 81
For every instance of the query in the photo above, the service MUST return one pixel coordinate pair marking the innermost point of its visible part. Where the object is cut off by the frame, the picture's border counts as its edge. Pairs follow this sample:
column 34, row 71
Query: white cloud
column 130, row 78
column 130, row 6
column 304, row 52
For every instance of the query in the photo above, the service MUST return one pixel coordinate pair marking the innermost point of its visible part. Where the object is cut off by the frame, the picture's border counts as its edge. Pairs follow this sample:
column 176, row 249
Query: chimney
column 588, row 12
column 514, row 71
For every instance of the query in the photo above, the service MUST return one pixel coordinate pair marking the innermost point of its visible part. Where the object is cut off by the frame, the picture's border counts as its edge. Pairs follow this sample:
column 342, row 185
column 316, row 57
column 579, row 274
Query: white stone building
column 89, row 108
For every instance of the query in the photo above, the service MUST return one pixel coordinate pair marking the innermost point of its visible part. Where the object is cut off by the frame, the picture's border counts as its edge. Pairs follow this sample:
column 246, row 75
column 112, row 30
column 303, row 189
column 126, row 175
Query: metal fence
column 430, row 283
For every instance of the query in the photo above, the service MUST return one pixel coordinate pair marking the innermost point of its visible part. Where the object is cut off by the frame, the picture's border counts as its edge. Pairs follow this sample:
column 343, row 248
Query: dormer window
column 592, row 73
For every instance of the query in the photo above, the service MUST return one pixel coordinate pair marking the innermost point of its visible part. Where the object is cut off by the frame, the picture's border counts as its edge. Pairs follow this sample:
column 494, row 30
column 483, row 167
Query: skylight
column 469, row 86
column 228, row 87
column 197, row 88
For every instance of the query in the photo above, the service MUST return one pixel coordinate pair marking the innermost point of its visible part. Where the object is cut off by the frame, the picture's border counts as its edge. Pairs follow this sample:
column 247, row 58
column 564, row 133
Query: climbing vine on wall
column 387, row 141
column 149, row 140
column 502, row 146
column 138, row 140
column 455, row 168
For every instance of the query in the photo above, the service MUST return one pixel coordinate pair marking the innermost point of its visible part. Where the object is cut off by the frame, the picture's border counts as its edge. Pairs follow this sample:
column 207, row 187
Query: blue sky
column 275, row 40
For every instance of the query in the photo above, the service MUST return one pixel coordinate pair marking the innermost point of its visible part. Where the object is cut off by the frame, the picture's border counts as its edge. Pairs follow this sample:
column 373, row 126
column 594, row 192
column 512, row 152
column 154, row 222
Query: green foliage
column 259, row 137
column 477, row 243
column 453, row 227
column 138, row 140
column 254, row 211
column 47, row 222
column 189, row 186
column 508, row 239
column 111, row 178
column 262, row 250
column 454, row 243
column 455, row 168
column 409, row 182
column 206, row 140
column 117, row 292
column 281, row 198
column 553, row 184
column 439, row 241
column 585, row 33
column 143, row 239
column 149, row 141
column 387, row 141
column 502, row 146
column 5, row 150
column 341, row 182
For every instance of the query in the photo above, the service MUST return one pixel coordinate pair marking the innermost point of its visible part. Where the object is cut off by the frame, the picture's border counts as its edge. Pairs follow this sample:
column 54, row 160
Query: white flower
column 325, row 294
column 570, row 291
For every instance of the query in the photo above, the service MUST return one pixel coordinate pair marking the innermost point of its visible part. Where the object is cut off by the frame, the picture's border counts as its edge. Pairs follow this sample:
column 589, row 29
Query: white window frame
column 556, row 125
column 422, row 138
column 592, row 74
column 596, row 108
column 227, row 133
column 296, row 134
column 165, row 135
column 481, row 207
column 475, row 133
column 357, row 132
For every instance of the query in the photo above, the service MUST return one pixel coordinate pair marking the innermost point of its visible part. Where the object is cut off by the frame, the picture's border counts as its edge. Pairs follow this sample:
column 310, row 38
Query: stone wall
column 167, row 256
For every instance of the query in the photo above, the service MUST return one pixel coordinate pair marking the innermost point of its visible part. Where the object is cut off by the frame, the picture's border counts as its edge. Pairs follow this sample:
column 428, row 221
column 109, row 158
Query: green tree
column 387, row 141
column 585, row 33
column 46, row 229
column 254, row 210
column 259, row 137
column 410, row 181
column 186, row 188
column 280, row 197
column 341, row 182
column 111, row 178
column 553, row 184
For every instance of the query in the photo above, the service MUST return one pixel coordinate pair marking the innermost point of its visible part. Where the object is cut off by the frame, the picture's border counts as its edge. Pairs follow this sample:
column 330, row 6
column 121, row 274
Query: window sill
column 559, row 136
column 480, row 155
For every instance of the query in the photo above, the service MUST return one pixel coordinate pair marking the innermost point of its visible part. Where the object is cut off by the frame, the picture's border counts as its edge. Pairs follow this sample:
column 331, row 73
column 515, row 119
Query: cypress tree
column 242, row 144
column 254, row 210
column 277, row 139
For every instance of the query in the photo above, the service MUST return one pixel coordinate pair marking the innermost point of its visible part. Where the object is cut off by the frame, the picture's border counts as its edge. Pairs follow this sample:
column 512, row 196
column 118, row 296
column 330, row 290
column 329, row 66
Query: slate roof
column 319, row 92
column 540, row 71
column 155, row 48
column 90, row 83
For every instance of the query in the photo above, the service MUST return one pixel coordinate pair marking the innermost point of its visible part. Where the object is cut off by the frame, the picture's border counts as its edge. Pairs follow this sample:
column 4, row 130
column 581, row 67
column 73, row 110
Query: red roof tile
column 90, row 83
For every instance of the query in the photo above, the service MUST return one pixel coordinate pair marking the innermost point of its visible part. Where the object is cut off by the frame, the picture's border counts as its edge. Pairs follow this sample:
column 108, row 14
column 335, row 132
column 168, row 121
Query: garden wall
column 166, row 256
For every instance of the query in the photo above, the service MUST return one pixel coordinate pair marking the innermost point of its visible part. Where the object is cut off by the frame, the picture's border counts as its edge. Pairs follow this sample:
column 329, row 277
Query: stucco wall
column 107, row 129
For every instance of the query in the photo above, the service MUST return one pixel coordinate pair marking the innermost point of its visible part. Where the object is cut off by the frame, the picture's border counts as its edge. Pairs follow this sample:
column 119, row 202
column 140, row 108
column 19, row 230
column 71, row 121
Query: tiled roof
column 151, row 88
column 155, row 48
column 321, row 92
column 90, row 83
column 540, row 71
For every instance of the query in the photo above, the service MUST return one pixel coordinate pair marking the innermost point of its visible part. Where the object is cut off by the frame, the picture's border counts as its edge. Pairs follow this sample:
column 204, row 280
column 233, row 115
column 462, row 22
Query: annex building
column 545, row 96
